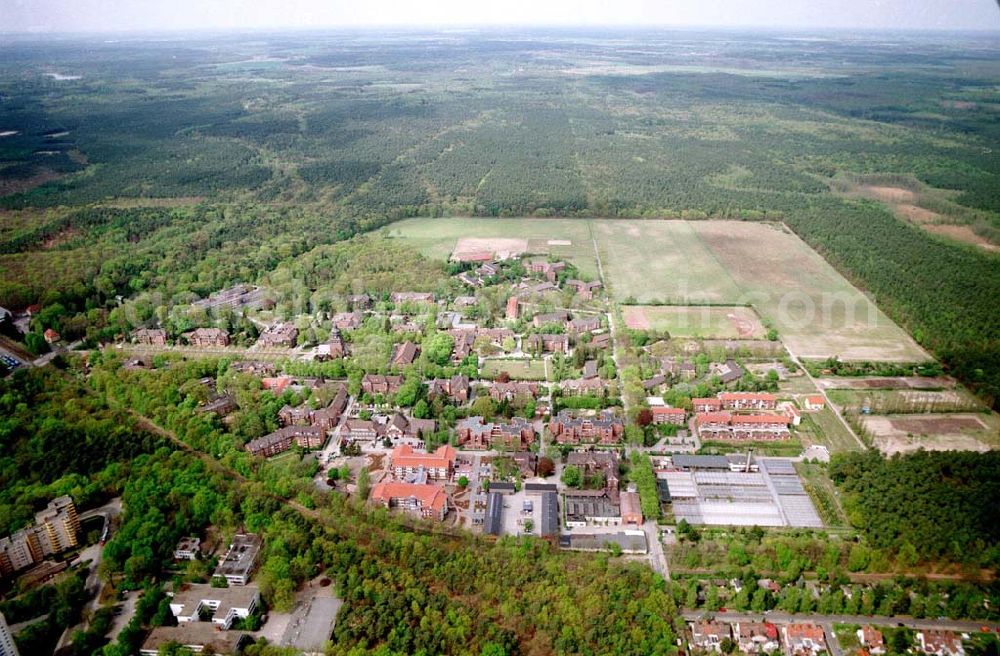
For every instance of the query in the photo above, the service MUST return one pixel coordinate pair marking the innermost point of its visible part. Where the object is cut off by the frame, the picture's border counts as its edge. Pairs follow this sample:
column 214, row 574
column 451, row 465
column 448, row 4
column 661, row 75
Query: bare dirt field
column 900, row 382
column 933, row 432
column 696, row 321
column 889, row 194
column 962, row 233
column 499, row 248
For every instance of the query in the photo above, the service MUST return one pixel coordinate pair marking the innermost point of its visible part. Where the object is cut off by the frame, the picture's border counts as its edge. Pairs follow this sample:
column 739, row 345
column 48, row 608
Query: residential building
column 580, row 325
column 728, row 371
column 814, row 403
column 348, row 320
column 150, row 336
column 583, row 386
column 51, row 336
column 516, row 435
column 592, row 463
column 374, row 384
column 757, row 637
column 276, row 385
column 527, row 463
column 706, row 404
column 558, row 316
column 199, row 637
column 654, row 383
column 188, row 548
column 60, row 526
column 455, row 388
column 404, row 354
column 7, row 646
column 510, row 391
column 804, row 639
column 401, row 429
column 421, row 500
column 548, row 269
column 585, row 290
column 465, row 341
column 412, row 297
column 747, row 400
column 360, row 301
column 238, row 564
column 727, row 426
column 665, row 415
column 708, row 636
column 281, row 440
column 359, row 429
column 568, row 428
column 279, row 335
column 405, row 463
column 590, row 369
column 527, row 290
column 871, row 640
column 20, row 550
column 631, row 509
column 547, row 343
column 940, row 643
column 193, row 601
column 207, row 337
column 601, row 341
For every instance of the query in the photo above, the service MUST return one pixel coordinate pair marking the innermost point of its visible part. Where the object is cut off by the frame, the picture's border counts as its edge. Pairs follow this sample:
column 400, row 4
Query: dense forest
column 936, row 504
column 405, row 591
column 157, row 171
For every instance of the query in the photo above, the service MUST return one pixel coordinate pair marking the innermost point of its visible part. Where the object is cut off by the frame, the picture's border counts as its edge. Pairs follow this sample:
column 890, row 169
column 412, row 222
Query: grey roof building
column 493, row 522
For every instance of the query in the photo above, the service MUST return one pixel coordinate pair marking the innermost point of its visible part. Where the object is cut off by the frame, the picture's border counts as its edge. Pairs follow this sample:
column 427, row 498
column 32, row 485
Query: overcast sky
column 161, row 15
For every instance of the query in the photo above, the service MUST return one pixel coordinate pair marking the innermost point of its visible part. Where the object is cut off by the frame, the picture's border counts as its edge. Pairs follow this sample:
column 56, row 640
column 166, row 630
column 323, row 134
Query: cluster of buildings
column 56, row 529
column 569, row 427
column 206, row 614
column 415, row 486
column 741, row 416
column 302, row 426
column 805, row 639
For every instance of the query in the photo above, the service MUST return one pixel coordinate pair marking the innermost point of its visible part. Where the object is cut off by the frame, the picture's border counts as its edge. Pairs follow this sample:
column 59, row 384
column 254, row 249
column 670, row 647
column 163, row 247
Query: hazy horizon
column 39, row 17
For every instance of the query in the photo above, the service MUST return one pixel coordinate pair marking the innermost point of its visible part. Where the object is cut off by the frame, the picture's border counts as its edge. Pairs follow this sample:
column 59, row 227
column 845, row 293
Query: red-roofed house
column 512, row 308
column 940, row 643
column 757, row 637
column 631, row 509
column 747, row 400
column 405, row 462
column 51, row 336
column 276, row 385
column 426, row 501
column 871, row 640
column 814, row 403
column 664, row 415
column 706, row 405
column 709, row 635
column 804, row 639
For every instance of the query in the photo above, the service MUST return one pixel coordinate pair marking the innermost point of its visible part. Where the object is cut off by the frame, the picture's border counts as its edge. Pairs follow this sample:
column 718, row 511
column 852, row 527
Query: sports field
column 707, row 321
column 816, row 311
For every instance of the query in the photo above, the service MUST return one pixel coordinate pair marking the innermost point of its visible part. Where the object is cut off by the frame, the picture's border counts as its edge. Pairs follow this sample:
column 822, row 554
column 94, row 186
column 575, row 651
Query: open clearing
column 696, row 321
column 875, row 382
column 517, row 369
column 498, row 248
column 934, row 432
column 889, row 401
column 564, row 238
column 817, row 312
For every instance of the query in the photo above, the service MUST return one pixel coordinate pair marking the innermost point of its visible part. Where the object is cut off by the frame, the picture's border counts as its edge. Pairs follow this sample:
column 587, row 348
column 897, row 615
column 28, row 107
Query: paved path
column 657, row 559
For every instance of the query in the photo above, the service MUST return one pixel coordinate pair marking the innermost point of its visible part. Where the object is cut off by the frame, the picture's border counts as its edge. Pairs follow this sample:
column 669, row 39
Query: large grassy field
column 437, row 237
column 816, row 311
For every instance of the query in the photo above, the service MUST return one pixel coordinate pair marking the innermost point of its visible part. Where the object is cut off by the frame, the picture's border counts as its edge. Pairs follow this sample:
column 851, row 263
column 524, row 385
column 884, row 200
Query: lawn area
column 707, row 321
column 518, row 369
column 827, row 430
column 437, row 237
column 816, row 311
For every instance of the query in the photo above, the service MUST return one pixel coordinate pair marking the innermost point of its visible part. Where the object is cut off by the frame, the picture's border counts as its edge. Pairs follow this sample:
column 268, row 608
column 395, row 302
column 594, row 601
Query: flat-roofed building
column 199, row 637
column 224, row 605
column 240, row 560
